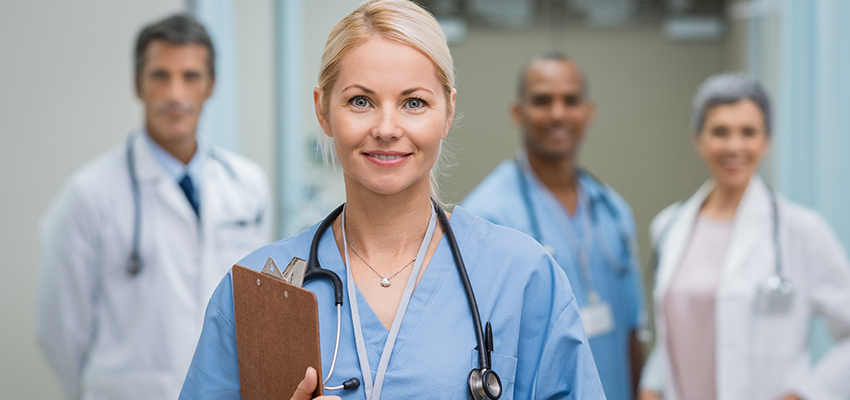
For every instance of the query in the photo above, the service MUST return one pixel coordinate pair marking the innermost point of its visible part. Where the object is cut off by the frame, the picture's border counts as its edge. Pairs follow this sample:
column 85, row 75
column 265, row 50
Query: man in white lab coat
column 137, row 240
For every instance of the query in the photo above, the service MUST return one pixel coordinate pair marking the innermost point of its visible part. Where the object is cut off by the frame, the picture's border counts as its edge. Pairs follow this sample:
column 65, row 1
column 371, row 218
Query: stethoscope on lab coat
column 776, row 293
column 134, row 264
column 483, row 382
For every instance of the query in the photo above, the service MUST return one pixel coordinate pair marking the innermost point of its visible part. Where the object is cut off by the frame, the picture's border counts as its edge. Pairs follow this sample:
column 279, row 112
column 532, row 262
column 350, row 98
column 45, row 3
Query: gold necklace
column 385, row 280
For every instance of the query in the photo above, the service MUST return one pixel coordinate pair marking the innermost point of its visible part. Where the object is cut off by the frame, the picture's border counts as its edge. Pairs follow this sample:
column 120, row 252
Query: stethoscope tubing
column 655, row 259
column 134, row 264
column 603, row 245
column 314, row 270
column 483, row 361
column 336, row 349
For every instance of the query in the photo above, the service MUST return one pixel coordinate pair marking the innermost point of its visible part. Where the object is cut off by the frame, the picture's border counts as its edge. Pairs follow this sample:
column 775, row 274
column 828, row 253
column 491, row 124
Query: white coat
column 759, row 356
column 109, row 334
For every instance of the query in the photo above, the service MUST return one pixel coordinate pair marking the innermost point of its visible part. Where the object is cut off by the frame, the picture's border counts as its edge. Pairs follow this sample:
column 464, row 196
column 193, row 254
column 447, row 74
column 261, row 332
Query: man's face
column 174, row 83
column 553, row 112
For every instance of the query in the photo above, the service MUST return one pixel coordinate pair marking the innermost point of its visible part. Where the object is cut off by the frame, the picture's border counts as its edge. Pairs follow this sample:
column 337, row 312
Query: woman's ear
column 320, row 114
column 451, row 113
column 697, row 143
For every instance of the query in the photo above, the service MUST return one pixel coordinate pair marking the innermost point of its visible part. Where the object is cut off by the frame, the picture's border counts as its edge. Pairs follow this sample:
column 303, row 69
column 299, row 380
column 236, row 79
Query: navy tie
column 189, row 191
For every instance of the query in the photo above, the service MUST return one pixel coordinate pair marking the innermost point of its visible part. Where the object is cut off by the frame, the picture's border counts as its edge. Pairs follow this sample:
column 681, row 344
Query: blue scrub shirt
column 540, row 350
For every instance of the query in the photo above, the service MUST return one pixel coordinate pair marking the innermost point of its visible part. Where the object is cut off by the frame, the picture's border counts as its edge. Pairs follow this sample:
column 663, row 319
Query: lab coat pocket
column 239, row 236
column 505, row 367
column 130, row 385
column 770, row 337
column 233, row 241
column 774, row 353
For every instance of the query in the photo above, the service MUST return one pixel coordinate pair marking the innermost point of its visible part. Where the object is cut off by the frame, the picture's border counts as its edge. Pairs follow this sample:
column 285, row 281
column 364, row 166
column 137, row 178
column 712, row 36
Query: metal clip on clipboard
column 293, row 274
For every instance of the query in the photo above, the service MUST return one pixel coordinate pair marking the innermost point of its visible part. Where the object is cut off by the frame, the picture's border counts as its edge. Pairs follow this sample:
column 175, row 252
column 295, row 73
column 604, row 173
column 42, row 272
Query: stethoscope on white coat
column 134, row 264
column 482, row 382
column 776, row 292
column 607, row 254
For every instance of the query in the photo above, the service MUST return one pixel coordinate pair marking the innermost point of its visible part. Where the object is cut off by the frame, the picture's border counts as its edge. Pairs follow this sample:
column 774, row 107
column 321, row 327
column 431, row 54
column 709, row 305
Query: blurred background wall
column 66, row 95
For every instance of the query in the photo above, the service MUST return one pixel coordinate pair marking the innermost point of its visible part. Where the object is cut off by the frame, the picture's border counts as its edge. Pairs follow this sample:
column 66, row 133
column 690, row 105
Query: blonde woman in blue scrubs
column 386, row 98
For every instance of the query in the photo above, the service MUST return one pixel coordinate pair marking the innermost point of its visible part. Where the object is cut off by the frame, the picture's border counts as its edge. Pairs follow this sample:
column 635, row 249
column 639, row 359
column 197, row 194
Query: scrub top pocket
column 505, row 367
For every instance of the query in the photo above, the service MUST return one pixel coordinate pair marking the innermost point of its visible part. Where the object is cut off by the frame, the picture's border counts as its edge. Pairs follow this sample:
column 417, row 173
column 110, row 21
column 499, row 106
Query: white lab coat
column 758, row 356
column 108, row 334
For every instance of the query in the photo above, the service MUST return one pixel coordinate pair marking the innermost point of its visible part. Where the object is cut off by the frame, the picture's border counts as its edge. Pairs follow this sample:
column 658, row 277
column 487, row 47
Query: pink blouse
column 689, row 309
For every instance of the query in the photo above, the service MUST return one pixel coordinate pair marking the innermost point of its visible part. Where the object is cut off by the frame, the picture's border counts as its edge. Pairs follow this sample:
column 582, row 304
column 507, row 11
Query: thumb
column 305, row 389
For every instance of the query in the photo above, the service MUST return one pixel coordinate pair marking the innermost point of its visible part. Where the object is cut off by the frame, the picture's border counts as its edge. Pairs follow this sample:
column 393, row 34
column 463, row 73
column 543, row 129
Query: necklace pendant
column 385, row 282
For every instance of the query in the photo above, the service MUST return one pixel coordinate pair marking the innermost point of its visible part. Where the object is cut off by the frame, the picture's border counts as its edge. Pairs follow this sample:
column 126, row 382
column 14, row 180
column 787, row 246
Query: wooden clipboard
column 277, row 335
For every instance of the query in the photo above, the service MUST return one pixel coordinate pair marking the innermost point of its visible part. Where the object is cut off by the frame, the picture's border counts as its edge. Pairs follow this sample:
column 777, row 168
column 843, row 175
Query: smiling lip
column 733, row 165
column 386, row 158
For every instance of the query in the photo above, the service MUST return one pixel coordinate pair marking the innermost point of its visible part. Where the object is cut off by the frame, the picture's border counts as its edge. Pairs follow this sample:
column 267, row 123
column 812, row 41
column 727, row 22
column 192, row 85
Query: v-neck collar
column 439, row 270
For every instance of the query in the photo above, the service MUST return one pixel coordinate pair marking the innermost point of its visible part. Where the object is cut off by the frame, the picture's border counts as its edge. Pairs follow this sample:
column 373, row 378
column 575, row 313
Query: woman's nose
column 735, row 141
column 387, row 126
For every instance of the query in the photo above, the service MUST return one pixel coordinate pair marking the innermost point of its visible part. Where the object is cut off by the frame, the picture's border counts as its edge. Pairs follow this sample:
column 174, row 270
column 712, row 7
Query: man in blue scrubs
column 583, row 223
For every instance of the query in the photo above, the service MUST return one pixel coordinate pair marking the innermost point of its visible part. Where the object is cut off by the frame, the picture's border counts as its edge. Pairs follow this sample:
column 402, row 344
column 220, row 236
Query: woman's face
column 732, row 143
column 387, row 114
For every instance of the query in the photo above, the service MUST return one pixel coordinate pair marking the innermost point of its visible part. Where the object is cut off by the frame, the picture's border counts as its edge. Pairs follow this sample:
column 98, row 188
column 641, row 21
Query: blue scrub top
column 498, row 198
column 540, row 350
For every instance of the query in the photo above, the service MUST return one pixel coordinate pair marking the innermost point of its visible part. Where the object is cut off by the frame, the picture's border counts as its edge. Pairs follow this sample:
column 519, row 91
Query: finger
column 648, row 395
column 305, row 389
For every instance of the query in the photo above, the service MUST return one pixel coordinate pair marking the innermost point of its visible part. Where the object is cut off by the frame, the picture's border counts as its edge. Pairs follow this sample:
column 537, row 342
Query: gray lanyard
column 373, row 391
column 583, row 248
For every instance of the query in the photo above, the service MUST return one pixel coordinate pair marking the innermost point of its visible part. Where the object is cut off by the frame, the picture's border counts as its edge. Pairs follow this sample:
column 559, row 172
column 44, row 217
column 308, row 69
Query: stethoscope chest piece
column 775, row 296
column 484, row 384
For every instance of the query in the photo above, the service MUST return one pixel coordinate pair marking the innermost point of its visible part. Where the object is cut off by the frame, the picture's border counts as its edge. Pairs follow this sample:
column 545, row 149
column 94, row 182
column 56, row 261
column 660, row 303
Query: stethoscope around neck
column 777, row 283
column 483, row 382
column 605, row 249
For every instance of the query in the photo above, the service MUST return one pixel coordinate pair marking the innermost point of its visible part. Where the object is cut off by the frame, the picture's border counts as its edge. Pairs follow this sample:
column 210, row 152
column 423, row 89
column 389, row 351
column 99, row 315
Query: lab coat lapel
column 151, row 173
column 748, row 227
column 676, row 238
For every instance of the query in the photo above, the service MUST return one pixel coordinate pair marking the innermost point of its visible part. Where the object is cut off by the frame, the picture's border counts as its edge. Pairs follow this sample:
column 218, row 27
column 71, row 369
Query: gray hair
column 729, row 88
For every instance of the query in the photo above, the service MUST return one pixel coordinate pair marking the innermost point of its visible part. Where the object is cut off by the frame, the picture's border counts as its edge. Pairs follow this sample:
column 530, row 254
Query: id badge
column 597, row 318
column 776, row 295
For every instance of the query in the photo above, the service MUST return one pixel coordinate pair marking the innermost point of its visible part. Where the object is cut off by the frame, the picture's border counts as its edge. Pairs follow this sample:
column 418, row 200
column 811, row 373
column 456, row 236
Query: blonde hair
column 400, row 20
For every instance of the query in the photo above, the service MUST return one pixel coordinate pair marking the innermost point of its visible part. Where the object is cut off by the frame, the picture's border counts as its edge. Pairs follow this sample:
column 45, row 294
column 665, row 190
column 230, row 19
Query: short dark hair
column 177, row 29
column 553, row 56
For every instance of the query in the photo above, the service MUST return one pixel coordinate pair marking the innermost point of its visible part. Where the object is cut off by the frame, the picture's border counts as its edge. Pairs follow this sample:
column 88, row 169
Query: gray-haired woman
column 741, row 271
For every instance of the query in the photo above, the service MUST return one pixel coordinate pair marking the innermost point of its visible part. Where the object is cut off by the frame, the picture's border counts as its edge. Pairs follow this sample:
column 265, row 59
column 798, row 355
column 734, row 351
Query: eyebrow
column 370, row 91
column 412, row 90
column 361, row 87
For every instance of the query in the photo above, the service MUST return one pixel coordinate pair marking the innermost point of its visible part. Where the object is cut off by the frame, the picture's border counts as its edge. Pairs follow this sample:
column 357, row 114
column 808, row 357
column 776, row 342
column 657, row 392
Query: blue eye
column 415, row 103
column 359, row 101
